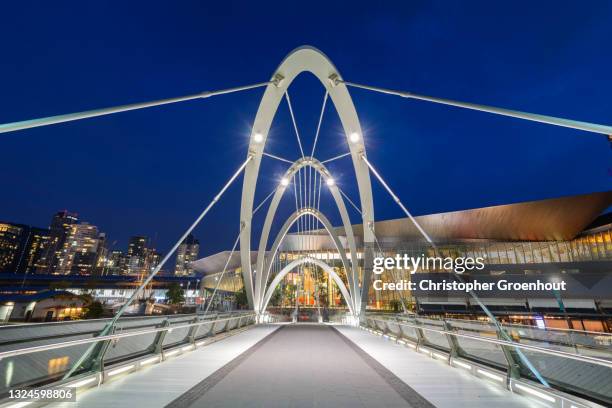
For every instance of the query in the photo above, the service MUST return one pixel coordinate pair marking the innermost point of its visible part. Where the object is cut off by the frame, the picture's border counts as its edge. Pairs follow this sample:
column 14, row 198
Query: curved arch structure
column 351, row 269
column 330, row 230
column 288, row 268
column 304, row 59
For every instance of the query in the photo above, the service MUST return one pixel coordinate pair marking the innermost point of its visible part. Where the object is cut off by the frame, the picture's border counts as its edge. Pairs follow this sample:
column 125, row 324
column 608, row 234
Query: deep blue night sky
column 152, row 171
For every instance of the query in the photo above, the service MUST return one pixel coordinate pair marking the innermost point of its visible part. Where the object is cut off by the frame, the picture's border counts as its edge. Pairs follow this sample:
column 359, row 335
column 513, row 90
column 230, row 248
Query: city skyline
column 142, row 171
column 71, row 246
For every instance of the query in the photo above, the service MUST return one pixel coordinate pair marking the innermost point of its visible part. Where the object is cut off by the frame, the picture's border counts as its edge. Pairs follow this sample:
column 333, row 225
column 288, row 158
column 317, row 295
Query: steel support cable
column 277, row 157
column 224, row 269
column 314, row 145
column 350, row 201
column 297, row 133
column 550, row 120
column 264, row 201
column 499, row 327
column 120, row 312
column 340, row 156
column 355, row 279
column 393, row 275
column 50, row 120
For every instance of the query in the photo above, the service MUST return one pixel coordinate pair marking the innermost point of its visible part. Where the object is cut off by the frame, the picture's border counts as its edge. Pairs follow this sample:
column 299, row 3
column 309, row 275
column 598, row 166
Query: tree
column 95, row 310
column 175, row 294
column 276, row 296
column 241, row 298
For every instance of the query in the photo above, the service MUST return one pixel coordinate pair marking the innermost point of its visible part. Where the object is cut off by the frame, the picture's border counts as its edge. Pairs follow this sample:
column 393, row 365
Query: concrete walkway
column 302, row 366
column 305, row 365
column 159, row 384
column 441, row 384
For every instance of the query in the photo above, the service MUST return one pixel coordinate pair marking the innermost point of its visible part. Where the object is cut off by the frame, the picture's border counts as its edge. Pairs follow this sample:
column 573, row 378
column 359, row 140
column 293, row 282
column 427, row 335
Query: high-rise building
column 80, row 250
column 116, row 264
column 187, row 252
column 34, row 259
column 12, row 241
column 137, row 254
column 22, row 248
column 59, row 229
column 101, row 255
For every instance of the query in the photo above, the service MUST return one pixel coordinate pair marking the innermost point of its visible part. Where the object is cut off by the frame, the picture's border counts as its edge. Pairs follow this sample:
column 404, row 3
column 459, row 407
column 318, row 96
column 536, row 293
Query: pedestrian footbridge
column 227, row 360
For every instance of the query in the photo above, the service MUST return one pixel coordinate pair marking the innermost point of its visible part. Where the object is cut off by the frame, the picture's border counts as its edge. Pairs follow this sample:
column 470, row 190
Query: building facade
column 186, row 254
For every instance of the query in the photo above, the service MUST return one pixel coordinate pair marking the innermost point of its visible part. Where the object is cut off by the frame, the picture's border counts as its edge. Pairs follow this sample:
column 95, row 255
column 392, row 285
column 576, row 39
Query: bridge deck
column 300, row 366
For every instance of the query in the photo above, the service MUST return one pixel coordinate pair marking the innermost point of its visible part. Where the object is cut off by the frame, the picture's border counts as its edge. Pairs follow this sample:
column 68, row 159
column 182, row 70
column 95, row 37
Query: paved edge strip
column 197, row 391
column 413, row 398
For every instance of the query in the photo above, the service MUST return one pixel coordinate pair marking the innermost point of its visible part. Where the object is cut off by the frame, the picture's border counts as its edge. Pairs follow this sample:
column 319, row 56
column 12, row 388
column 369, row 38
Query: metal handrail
column 29, row 350
column 585, row 359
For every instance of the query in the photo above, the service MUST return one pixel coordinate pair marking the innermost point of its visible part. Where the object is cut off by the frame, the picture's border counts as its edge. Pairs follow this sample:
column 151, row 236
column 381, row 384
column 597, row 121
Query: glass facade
column 312, row 285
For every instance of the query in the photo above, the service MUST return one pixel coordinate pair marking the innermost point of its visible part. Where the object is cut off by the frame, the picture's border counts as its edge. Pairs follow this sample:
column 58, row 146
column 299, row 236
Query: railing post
column 193, row 331
column 157, row 345
column 514, row 368
column 455, row 348
column 211, row 331
column 97, row 363
column 420, row 336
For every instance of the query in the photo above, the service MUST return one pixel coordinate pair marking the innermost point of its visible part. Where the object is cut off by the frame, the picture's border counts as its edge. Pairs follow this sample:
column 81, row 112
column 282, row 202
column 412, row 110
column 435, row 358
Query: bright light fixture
column 439, row 356
column 150, row 360
column 463, row 365
column 258, row 137
column 354, row 137
column 83, row 382
column 491, row 375
column 120, row 370
column 21, row 404
column 535, row 393
column 285, row 181
column 330, row 181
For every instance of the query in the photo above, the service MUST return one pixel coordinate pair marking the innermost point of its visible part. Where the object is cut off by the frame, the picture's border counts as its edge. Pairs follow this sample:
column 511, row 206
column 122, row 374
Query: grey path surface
column 159, row 384
column 444, row 386
column 302, row 366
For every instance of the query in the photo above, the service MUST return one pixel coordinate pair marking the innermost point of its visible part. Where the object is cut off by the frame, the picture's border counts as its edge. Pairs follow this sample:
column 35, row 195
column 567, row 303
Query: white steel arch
column 319, row 263
column 352, row 272
column 330, row 230
column 304, row 59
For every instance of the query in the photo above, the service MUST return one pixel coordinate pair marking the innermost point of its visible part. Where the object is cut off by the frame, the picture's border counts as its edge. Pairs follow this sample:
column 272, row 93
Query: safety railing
column 577, row 379
column 32, row 355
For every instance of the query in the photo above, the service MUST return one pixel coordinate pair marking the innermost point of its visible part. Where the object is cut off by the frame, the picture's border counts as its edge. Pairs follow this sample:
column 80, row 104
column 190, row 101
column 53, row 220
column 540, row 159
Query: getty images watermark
column 458, row 265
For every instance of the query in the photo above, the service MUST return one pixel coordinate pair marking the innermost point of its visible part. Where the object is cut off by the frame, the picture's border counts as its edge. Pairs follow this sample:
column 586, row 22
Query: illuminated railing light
column 83, row 382
column 20, row 404
column 172, row 353
column 424, row 350
column 150, row 360
column 490, row 375
column 535, row 393
column 462, row 365
column 200, row 343
column 187, row 348
column 120, row 370
column 440, row 356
